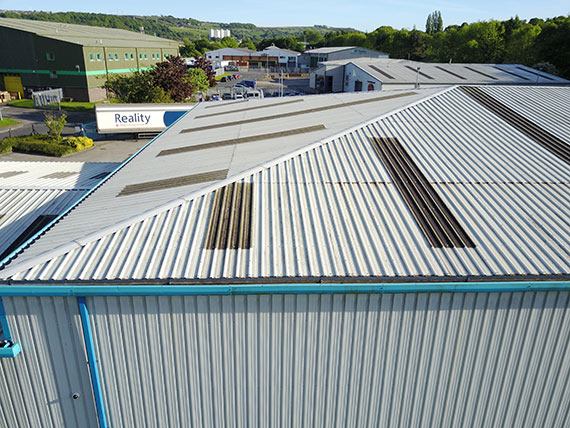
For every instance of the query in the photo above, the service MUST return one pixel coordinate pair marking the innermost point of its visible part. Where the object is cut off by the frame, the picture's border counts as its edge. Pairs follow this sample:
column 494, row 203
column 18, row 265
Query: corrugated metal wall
column 429, row 360
column 36, row 387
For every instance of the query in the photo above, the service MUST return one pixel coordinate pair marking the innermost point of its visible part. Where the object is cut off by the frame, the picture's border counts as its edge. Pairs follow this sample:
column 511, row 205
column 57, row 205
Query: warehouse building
column 312, row 58
column 345, row 260
column 367, row 74
column 78, row 58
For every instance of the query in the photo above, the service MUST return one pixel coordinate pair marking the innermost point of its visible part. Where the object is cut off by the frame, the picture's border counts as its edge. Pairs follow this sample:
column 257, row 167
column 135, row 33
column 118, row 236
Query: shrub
column 78, row 143
column 45, row 144
column 5, row 146
column 55, row 124
column 42, row 147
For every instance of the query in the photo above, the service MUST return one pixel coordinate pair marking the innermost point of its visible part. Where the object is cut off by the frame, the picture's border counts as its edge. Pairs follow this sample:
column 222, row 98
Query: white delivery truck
column 137, row 118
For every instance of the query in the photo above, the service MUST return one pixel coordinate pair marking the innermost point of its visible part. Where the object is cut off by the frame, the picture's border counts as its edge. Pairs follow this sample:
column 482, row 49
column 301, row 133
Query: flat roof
column 233, row 201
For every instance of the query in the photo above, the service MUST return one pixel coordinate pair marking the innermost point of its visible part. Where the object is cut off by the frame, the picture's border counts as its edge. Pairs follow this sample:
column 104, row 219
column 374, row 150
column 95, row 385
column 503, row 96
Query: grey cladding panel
column 260, row 137
column 511, row 73
column 249, row 109
column 223, row 104
column 382, row 72
column 38, row 224
column 536, row 133
column 60, row 174
column 297, row 113
column 438, row 224
column 230, row 221
column 450, row 72
column 100, row 176
column 9, row 174
column 535, row 73
column 481, row 73
column 418, row 71
column 186, row 180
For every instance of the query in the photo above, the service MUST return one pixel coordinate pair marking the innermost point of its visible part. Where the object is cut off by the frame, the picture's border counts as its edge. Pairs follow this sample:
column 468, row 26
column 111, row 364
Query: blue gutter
column 90, row 348
column 293, row 288
column 95, row 187
column 9, row 349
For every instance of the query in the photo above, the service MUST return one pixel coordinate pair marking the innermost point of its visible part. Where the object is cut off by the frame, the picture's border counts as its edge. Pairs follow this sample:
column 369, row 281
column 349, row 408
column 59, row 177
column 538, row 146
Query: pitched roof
column 33, row 190
column 87, row 35
column 332, row 203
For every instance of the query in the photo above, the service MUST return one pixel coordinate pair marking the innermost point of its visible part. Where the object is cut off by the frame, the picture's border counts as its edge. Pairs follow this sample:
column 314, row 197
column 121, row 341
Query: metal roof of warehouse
column 33, row 190
column 339, row 195
column 399, row 71
column 87, row 35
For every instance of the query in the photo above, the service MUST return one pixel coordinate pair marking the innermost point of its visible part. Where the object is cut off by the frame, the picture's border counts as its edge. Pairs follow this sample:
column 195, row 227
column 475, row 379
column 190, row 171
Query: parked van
column 255, row 93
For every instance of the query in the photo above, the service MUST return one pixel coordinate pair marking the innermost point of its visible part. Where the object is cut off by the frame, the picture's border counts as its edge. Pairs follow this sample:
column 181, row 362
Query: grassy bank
column 8, row 122
column 67, row 106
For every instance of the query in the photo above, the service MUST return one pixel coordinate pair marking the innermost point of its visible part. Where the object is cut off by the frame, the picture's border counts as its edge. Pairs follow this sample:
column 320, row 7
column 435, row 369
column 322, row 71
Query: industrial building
column 272, row 56
column 367, row 74
column 344, row 260
column 313, row 57
column 78, row 58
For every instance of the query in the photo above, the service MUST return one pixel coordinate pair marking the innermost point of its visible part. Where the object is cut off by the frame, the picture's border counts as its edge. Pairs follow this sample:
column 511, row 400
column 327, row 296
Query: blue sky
column 359, row 14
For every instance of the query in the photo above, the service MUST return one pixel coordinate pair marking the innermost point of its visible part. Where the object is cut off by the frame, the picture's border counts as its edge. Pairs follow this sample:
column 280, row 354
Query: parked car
column 236, row 76
column 239, row 85
column 224, row 79
column 249, row 83
column 230, row 68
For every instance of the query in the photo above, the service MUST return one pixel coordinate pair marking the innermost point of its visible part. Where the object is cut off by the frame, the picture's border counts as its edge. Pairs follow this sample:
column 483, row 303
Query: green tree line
column 540, row 43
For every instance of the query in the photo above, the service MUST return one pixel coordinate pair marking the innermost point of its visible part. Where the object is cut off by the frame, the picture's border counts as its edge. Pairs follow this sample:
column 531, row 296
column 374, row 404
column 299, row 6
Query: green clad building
column 37, row 55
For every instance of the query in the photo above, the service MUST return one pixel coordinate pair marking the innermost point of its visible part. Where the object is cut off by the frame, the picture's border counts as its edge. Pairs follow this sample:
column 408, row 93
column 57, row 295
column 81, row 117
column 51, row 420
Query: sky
column 358, row 14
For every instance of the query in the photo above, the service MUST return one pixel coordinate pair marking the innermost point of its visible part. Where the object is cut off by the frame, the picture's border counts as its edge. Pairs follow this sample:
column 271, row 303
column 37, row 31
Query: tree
column 434, row 23
column 199, row 80
column 248, row 44
column 171, row 75
column 189, row 49
column 137, row 87
column 55, row 124
column 206, row 66
column 229, row 42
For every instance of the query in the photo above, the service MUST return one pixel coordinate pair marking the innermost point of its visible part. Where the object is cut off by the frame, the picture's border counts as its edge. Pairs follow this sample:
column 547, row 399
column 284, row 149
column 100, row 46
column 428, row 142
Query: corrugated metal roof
column 398, row 71
column 331, row 210
column 26, row 196
column 87, row 35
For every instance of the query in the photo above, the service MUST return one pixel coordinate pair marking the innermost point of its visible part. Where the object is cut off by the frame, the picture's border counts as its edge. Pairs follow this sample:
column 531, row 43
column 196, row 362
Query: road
column 32, row 120
column 270, row 87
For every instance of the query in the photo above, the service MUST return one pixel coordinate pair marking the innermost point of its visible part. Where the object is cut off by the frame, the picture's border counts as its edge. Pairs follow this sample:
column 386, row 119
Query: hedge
column 45, row 144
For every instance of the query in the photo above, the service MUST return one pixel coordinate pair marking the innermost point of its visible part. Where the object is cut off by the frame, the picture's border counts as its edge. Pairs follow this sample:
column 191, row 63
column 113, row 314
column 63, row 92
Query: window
column 116, row 57
column 110, row 57
column 152, row 56
column 8, row 349
column 98, row 57
column 145, row 56
column 126, row 57
column 140, row 56
column 91, row 57
column 132, row 57
column 50, row 56
column 53, row 75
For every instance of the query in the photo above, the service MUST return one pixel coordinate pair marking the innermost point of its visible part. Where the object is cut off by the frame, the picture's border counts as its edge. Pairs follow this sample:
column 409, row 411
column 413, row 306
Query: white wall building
column 370, row 74
column 219, row 33
column 286, row 57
